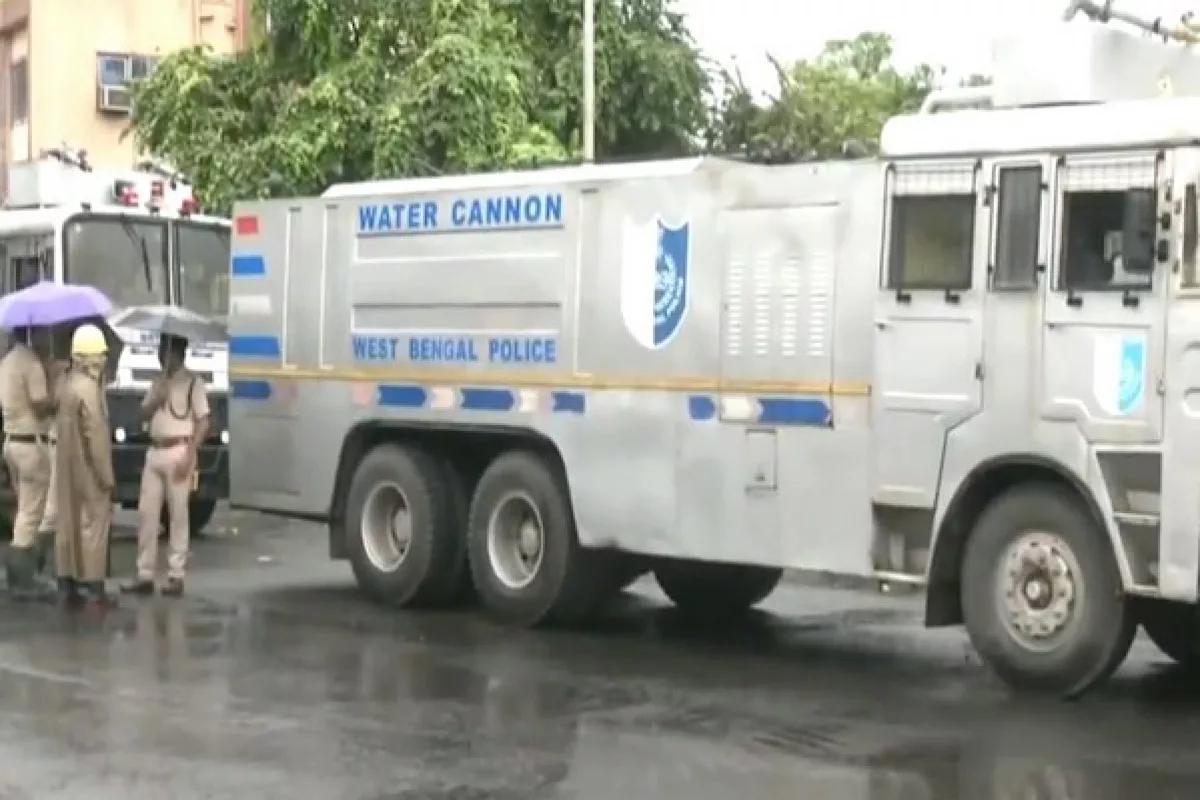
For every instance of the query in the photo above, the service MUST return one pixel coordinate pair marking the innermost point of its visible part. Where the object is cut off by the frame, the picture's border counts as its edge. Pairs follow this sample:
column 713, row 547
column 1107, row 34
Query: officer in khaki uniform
column 46, row 530
column 83, row 474
column 177, row 409
column 27, row 398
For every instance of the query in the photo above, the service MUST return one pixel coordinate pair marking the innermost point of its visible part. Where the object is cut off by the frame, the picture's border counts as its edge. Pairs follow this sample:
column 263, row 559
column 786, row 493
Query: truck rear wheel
column 712, row 588
column 404, row 528
column 1173, row 627
column 1042, row 596
column 526, row 560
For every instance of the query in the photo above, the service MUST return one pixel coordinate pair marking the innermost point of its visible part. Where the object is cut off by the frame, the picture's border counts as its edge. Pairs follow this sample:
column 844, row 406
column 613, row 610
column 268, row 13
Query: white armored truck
column 972, row 364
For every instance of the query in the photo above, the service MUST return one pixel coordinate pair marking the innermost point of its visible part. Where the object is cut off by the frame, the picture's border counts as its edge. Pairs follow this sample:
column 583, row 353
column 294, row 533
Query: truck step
column 1137, row 520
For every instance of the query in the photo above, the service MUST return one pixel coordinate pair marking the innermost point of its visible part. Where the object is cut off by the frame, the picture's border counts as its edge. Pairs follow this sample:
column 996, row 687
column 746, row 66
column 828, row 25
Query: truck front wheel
column 711, row 588
column 526, row 561
column 1173, row 627
column 404, row 533
column 1042, row 596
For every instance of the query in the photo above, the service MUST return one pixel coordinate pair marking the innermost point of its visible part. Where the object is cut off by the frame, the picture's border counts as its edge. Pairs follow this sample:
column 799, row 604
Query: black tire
column 1173, row 627
column 568, row 582
column 430, row 573
column 624, row 572
column 200, row 513
column 706, row 587
column 1100, row 623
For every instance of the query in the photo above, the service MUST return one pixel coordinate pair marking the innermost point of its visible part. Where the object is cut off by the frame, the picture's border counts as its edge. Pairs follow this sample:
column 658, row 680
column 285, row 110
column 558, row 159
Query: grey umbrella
column 171, row 321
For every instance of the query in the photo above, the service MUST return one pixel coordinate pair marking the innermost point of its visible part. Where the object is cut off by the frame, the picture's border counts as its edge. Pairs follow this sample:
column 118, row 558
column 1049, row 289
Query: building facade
column 65, row 67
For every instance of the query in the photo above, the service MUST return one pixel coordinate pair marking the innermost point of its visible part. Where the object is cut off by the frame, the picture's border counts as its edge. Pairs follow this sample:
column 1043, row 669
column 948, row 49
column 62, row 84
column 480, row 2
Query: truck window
column 1091, row 243
column 202, row 261
column 1018, row 223
column 1191, row 236
column 124, row 257
column 932, row 241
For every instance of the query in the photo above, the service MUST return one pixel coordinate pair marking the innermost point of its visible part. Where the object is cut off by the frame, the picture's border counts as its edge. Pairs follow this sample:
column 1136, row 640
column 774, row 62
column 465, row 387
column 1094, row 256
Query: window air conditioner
column 114, row 99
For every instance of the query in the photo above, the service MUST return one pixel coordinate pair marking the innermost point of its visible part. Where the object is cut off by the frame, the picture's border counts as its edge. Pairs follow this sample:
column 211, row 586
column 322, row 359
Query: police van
column 139, row 236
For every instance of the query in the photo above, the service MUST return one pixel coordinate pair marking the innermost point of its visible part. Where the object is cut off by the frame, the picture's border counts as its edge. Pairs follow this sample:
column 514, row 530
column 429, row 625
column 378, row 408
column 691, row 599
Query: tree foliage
column 347, row 90
column 843, row 95
column 342, row 90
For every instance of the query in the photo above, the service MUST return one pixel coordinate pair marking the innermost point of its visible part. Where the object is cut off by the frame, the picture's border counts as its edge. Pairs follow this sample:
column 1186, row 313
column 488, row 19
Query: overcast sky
column 954, row 33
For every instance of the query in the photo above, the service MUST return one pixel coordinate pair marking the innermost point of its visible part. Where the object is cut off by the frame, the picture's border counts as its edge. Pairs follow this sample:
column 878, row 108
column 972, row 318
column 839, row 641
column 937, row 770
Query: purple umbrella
column 50, row 303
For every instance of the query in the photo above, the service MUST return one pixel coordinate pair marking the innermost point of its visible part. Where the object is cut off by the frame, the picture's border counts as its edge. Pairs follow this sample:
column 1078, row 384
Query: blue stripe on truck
column 801, row 411
column 248, row 266
column 250, row 390
column 255, row 347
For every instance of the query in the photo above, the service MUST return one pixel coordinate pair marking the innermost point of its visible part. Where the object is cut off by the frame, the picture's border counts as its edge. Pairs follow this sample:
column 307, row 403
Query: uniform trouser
column 83, row 556
column 50, row 513
column 31, row 465
column 159, row 484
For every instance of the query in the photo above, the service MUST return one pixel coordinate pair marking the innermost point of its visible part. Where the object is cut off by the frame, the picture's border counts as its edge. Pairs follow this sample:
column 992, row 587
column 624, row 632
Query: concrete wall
column 61, row 40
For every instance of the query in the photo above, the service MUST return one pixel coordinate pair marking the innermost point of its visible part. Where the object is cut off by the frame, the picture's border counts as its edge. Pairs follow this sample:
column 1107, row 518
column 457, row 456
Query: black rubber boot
column 96, row 596
column 23, row 581
column 44, row 566
column 68, row 593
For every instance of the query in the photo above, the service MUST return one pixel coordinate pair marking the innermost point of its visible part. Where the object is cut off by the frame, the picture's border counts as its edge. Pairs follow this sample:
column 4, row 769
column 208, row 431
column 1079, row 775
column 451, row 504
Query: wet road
column 274, row 680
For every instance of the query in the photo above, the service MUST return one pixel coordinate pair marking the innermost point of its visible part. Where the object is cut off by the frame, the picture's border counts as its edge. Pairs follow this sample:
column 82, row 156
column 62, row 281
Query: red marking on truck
column 246, row 225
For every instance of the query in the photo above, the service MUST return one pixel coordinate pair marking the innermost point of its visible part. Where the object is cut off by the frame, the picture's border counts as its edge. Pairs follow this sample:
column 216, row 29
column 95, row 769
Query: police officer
column 28, row 406
column 84, row 473
column 45, row 567
column 177, row 409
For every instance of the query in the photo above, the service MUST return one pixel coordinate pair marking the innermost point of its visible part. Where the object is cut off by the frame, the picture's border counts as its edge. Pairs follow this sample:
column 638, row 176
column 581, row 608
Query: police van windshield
column 122, row 256
column 202, row 256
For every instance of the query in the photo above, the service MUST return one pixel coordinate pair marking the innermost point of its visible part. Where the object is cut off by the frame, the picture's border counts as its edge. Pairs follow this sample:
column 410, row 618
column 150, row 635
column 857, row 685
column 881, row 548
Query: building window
column 112, row 70
column 118, row 69
column 18, row 91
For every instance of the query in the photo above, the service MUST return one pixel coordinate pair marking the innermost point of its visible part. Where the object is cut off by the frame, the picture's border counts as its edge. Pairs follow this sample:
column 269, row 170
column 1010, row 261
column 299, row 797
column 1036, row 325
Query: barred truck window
column 1019, row 217
column 932, row 241
column 124, row 258
column 202, row 261
column 1092, row 233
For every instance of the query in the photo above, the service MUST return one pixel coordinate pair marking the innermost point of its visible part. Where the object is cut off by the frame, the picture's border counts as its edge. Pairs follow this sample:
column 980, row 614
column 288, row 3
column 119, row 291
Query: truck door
column 1020, row 217
column 1179, row 498
column 928, row 337
column 1102, row 348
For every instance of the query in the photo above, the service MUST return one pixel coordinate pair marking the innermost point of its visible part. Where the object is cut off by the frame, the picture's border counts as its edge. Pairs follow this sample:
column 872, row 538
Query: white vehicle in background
column 138, row 236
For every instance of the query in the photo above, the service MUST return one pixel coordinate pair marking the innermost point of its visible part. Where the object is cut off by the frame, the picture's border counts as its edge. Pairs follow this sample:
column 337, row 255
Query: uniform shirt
column 23, row 383
column 179, row 415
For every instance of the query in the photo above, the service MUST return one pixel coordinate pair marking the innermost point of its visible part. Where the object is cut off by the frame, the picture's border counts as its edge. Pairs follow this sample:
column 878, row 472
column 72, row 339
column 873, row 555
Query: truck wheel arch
column 985, row 483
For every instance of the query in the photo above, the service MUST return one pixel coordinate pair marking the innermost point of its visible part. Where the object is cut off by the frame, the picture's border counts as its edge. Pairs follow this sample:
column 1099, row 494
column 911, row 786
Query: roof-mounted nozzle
column 1185, row 31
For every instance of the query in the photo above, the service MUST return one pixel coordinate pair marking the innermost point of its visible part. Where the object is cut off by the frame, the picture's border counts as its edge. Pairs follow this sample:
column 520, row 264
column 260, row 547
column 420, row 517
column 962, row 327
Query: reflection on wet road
column 275, row 680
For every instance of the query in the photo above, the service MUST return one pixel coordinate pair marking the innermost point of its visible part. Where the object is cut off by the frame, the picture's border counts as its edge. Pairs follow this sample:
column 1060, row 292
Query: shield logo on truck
column 655, row 291
column 1119, row 373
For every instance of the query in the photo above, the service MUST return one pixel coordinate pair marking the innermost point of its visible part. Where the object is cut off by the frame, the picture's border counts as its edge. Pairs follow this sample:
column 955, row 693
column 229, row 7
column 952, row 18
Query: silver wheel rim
column 1040, row 591
column 516, row 540
column 386, row 527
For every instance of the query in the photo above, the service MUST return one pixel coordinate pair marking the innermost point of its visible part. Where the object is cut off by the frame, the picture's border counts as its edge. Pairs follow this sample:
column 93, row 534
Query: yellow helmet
column 88, row 340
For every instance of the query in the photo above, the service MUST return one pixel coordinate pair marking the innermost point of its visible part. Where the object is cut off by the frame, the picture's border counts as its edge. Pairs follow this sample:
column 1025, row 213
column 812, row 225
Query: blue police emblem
column 1131, row 386
column 655, row 290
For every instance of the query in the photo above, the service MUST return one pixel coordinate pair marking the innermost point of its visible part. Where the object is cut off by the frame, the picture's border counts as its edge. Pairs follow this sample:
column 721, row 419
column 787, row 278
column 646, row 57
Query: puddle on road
column 612, row 762
column 427, row 706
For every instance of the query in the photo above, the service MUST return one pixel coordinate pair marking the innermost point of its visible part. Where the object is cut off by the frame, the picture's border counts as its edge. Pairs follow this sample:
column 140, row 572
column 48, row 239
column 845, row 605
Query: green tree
column 845, row 94
column 340, row 90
